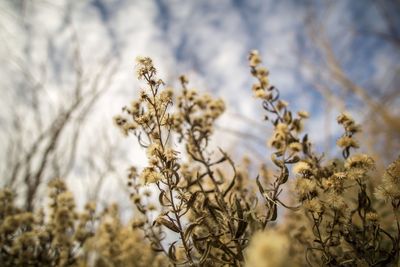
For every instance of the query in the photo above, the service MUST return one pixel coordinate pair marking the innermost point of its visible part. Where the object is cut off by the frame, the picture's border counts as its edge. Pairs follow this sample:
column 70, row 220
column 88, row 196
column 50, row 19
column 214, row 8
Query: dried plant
column 61, row 236
column 196, row 207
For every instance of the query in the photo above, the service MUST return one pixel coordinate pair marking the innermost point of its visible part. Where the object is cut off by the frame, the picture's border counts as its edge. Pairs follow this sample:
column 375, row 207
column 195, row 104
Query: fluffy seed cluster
column 347, row 140
column 268, row 249
column 389, row 190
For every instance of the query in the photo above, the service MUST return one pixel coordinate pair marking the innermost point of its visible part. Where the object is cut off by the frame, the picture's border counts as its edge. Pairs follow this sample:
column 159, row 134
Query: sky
column 207, row 40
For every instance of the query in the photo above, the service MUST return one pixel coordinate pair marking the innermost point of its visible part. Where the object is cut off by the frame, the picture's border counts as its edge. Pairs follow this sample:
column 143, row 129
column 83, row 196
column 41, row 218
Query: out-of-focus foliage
column 194, row 206
column 58, row 235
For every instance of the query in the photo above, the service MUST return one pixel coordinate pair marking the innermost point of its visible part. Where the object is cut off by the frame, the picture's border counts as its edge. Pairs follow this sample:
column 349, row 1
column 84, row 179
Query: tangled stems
column 284, row 139
column 208, row 211
column 220, row 237
column 215, row 215
column 166, row 165
column 197, row 140
column 164, row 159
column 323, row 190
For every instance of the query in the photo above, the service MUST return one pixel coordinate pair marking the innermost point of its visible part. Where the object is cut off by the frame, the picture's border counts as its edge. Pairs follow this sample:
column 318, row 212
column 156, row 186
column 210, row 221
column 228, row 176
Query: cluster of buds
column 389, row 190
column 262, row 88
column 347, row 141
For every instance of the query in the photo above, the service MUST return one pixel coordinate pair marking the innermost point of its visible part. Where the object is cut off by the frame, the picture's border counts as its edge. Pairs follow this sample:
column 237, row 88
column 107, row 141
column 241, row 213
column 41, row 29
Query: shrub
column 207, row 210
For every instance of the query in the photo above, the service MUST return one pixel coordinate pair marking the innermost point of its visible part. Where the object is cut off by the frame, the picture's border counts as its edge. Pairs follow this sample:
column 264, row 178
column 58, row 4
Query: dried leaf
column 242, row 223
column 162, row 198
column 189, row 230
column 276, row 161
column 192, row 199
column 230, row 186
column 155, row 247
column 260, row 188
column 205, row 254
column 171, row 252
column 170, row 225
column 284, row 176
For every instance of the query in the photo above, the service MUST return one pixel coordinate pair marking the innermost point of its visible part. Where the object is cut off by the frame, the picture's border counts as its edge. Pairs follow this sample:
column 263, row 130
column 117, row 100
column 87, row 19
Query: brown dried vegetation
column 196, row 207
